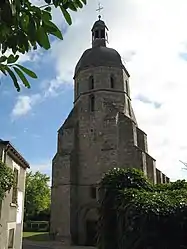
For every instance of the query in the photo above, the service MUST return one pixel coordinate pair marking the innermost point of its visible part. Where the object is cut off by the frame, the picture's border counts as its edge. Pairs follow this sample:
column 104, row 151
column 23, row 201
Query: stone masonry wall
column 91, row 142
column 61, row 188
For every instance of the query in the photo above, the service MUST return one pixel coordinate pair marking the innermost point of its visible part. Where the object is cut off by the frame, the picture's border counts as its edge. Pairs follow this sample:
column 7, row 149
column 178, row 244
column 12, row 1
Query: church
column 100, row 133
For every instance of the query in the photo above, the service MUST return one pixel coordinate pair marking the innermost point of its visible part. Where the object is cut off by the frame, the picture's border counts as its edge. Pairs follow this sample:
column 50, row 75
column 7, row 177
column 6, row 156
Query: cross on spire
column 99, row 10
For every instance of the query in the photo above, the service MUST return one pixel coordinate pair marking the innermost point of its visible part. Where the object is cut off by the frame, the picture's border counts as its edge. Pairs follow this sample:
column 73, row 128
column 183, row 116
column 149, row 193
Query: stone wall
column 151, row 168
column 99, row 134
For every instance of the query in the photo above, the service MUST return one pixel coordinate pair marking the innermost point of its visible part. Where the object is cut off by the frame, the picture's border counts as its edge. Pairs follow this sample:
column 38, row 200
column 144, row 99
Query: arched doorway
column 91, row 227
column 88, row 217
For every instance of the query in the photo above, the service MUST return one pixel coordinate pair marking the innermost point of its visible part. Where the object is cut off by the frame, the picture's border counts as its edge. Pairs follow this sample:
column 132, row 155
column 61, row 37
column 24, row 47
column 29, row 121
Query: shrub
column 135, row 214
column 6, row 179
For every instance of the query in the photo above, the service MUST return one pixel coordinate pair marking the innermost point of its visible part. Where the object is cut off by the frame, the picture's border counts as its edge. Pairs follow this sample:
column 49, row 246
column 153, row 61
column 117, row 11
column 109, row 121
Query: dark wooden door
column 91, row 233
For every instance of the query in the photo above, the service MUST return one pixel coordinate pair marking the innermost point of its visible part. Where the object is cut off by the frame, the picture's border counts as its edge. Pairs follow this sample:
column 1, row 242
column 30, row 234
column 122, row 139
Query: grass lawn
column 36, row 236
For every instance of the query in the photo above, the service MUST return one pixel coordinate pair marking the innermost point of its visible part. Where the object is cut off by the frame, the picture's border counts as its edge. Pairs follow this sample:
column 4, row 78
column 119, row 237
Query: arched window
column 92, row 103
column 97, row 34
column 91, row 82
column 93, row 192
column 129, row 107
column 112, row 82
column 127, row 87
column 78, row 90
column 103, row 33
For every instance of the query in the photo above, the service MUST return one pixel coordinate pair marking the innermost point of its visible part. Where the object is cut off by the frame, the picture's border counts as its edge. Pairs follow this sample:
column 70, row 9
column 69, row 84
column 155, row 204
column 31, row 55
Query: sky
column 151, row 37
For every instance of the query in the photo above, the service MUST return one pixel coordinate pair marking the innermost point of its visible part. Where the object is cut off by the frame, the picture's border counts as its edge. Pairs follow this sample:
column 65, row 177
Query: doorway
column 91, row 232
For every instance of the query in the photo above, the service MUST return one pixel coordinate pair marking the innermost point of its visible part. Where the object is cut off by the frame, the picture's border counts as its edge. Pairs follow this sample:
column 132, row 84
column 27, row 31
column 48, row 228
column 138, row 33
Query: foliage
column 118, row 178
column 25, row 27
column 37, row 195
column 6, row 179
column 135, row 214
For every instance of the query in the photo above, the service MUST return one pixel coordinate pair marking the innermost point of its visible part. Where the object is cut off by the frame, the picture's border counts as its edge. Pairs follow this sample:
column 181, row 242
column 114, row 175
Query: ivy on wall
column 135, row 214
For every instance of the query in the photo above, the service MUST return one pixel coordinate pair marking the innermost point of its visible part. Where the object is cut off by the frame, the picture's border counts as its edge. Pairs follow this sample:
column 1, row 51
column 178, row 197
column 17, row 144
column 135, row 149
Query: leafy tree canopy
column 6, row 179
column 25, row 27
column 37, row 194
column 136, row 214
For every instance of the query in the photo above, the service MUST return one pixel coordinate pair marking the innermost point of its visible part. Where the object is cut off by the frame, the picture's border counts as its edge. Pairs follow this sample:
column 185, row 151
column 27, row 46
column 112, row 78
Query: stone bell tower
column 99, row 134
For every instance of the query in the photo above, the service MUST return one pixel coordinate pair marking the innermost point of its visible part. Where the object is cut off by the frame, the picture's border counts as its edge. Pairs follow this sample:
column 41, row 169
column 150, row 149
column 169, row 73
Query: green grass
column 36, row 236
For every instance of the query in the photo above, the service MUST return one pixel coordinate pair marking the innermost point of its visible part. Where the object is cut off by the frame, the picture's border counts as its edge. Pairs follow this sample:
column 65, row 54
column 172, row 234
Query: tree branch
column 46, row 5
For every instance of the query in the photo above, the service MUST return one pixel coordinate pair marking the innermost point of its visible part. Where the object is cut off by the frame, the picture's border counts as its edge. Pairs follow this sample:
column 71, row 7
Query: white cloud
column 150, row 36
column 24, row 105
column 33, row 56
column 43, row 167
column 52, row 87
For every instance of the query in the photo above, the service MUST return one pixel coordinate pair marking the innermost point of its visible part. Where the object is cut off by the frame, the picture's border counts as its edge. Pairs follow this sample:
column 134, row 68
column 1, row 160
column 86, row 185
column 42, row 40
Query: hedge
column 135, row 214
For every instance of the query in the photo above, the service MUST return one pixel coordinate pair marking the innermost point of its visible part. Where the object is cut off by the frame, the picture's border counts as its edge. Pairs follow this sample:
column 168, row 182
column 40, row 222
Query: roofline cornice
column 10, row 148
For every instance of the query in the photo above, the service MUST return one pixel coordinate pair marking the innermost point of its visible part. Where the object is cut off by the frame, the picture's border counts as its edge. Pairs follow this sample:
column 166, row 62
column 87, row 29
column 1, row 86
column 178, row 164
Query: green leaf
column 3, row 58
column 48, row 9
column 24, row 22
column 23, row 41
column 66, row 15
column 22, row 77
column 12, row 75
column 2, row 69
column 84, row 1
column 46, row 16
column 34, row 45
column 48, row 1
column 27, row 71
column 32, row 30
column 56, row 3
column 79, row 4
column 72, row 6
column 43, row 39
column 12, row 59
column 4, row 48
column 37, row 11
column 53, row 29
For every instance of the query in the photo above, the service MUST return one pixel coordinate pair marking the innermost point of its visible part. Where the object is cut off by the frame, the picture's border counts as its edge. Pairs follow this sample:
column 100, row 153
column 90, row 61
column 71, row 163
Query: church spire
column 99, row 34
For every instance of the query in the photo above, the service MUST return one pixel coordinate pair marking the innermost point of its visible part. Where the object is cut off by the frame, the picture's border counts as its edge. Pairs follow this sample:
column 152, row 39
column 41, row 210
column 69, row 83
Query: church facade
column 100, row 133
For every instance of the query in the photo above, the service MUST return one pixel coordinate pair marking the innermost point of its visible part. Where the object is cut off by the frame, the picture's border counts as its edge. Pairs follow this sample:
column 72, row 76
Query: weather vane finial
column 99, row 10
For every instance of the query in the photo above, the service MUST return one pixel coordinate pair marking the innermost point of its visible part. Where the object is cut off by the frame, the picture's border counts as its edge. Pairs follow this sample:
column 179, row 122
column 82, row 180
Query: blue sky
column 34, row 132
column 152, row 40
column 30, row 118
